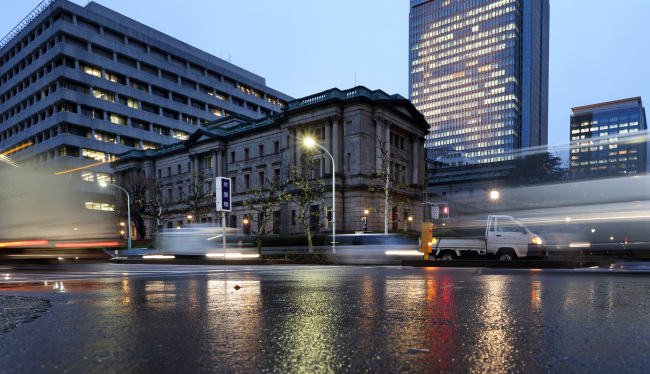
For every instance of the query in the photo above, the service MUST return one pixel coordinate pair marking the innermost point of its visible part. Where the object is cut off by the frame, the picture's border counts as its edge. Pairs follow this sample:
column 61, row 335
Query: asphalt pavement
column 324, row 319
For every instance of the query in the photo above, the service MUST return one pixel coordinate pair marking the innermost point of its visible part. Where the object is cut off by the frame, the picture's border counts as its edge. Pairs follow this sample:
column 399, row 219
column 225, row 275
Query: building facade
column 79, row 85
column 478, row 71
column 609, row 139
column 350, row 124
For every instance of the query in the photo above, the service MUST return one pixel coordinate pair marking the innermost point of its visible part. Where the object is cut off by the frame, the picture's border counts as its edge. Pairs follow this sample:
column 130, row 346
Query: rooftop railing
column 25, row 22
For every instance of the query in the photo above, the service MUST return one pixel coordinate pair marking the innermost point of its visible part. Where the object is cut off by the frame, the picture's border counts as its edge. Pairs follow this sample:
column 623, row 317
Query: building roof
column 237, row 125
column 607, row 105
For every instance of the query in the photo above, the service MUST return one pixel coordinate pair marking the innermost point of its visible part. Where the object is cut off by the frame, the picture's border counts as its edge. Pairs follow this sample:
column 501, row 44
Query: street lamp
column 365, row 223
column 128, row 210
column 189, row 219
column 246, row 226
column 310, row 143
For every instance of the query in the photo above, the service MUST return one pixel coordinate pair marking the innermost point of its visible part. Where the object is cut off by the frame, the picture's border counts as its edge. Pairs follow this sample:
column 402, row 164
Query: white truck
column 505, row 239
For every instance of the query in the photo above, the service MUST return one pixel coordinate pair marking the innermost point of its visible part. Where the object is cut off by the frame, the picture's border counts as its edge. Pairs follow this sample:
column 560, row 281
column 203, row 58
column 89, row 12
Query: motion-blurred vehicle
column 43, row 216
column 204, row 240
column 375, row 247
column 505, row 238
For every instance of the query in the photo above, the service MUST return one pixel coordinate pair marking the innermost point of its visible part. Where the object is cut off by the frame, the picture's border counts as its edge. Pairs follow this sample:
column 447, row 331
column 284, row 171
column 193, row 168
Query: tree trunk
column 309, row 243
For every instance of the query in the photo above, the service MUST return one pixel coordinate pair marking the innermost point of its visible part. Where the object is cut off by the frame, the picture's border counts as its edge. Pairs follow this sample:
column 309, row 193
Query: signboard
column 223, row 192
column 435, row 212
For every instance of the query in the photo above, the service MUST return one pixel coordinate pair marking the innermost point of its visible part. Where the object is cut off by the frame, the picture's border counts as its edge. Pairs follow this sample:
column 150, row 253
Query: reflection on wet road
column 328, row 319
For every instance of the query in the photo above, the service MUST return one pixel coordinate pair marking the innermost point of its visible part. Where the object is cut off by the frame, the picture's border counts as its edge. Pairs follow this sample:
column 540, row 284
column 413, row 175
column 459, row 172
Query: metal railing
column 25, row 22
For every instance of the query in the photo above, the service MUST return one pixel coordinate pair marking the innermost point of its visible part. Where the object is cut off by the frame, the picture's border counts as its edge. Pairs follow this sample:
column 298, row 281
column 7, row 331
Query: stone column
column 220, row 169
column 379, row 131
column 336, row 144
column 328, row 146
column 297, row 150
column 415, row 160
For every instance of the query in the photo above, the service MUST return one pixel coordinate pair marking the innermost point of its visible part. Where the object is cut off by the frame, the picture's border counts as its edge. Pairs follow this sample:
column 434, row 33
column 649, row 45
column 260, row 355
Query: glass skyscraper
column 609, row 139
column 478, row 71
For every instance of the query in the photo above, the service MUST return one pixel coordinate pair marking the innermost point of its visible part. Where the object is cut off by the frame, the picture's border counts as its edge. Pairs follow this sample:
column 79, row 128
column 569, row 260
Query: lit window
column 99, row 206
column 104, row 178
column 93, row 155
column 87, row 176
column 108, row 96
column 181, row 135
column 92, row 71
column 117, row 119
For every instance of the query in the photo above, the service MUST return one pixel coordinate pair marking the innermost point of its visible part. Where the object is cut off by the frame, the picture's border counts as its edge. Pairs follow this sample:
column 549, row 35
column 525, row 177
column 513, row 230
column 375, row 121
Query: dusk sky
column 599, row 50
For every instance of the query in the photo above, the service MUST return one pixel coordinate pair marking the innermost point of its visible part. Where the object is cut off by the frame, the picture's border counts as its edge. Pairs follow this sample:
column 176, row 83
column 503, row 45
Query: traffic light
column 445, row 212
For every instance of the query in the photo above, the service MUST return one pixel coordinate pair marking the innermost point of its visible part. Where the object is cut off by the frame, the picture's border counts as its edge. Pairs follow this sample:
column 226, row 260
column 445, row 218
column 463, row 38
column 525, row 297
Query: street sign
column 223, row 192
column 435, row 212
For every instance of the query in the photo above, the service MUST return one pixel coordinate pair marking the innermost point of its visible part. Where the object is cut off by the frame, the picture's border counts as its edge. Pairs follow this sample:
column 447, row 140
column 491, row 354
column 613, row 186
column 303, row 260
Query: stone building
column 349, row 124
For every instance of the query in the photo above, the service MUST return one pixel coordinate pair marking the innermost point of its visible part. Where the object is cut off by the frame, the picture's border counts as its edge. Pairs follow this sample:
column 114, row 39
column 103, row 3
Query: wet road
column 324, row 319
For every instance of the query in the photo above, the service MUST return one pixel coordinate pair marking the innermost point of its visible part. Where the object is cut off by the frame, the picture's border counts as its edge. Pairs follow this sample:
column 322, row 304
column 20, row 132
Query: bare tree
column 135, row 186
column 308, row 191
column 263, row 200
column 156, row 206
column 197, row 198
column 390, row 180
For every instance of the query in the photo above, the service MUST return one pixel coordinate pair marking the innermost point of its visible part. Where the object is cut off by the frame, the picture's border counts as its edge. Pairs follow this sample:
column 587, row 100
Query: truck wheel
column 447, row 256
column 507, row 256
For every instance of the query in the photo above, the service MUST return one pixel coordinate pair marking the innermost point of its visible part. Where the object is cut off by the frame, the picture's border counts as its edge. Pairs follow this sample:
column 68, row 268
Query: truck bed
column 464, row 243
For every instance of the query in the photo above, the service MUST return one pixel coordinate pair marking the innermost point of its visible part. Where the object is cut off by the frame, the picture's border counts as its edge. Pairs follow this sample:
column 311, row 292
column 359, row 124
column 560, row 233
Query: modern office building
column 79, row 85
column 609, row 139
column 353, row 125
column 478, row 71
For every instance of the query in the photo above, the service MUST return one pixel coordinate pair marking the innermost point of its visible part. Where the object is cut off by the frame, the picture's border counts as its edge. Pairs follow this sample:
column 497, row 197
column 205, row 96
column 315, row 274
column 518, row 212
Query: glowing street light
column 128, row 210
column 310, row 143
column 494, row 196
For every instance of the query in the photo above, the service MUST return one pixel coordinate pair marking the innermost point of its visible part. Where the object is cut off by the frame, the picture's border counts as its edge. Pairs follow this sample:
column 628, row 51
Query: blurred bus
column 42, row 216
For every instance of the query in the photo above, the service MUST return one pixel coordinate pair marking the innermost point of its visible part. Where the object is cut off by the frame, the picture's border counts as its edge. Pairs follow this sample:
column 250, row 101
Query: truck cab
column 508, row 239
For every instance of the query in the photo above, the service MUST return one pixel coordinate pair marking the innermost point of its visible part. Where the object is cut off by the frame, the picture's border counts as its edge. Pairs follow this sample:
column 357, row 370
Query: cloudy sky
column 599, row 50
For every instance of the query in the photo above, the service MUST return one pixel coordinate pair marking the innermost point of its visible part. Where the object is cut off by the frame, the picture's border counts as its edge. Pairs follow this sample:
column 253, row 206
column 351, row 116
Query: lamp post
column 189, row 219
column 246, row 226
column 309, row 143
column 128, row 210
column 365, row 222
column 408, row 226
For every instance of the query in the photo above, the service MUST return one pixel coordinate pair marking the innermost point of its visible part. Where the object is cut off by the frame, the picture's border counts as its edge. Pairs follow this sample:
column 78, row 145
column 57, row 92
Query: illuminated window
column 149, row 145
column 87, row 176
column 92, row 71
column 99, row 206
column 104, row 178
column 181, row 135
column 115, row 78
column 108, row 96
column 105, row 137
column 93, row 155
column 117, row 119
column 131, row 103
